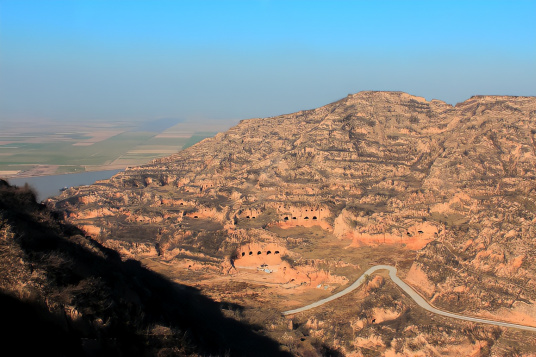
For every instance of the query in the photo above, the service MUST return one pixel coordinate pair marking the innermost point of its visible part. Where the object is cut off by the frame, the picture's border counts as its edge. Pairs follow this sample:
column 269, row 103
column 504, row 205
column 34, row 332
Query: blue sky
column 228, row 60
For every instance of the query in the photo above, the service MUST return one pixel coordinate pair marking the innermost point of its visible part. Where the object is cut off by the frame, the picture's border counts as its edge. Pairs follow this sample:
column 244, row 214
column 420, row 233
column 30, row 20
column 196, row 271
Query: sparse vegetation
column 67, row 294
column 391, row 179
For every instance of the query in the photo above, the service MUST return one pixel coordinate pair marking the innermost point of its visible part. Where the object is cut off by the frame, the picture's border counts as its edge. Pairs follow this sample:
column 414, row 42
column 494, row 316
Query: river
column 49, row 186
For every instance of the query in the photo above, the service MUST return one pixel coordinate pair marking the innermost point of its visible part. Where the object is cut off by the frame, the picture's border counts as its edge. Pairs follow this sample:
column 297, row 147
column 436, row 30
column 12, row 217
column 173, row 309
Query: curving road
column 413, row 294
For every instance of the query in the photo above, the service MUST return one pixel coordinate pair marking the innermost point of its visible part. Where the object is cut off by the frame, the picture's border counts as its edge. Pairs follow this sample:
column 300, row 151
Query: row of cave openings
column 306, row 217
column 420, row 232
column 286, row 218
column 260, row 253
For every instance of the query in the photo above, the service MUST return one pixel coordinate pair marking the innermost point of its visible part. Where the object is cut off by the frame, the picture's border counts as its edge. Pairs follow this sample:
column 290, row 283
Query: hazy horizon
column 210, row 60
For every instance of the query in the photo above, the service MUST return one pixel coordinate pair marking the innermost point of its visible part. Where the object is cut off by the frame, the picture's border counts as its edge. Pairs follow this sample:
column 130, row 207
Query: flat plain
column 29, row 148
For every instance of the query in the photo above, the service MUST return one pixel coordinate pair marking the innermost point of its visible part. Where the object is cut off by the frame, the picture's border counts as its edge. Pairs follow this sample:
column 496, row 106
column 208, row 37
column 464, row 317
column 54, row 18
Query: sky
column 229, row 60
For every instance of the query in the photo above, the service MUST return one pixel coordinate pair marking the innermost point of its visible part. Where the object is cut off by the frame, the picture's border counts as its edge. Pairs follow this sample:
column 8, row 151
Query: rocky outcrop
column 64, row 294
column 455, row 184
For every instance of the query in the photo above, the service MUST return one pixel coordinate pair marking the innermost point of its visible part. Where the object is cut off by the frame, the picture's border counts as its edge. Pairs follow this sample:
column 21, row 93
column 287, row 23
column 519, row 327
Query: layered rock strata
column 455, row 184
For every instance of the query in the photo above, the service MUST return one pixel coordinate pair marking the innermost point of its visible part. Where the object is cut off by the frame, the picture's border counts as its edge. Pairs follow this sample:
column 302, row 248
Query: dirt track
column 412, row 293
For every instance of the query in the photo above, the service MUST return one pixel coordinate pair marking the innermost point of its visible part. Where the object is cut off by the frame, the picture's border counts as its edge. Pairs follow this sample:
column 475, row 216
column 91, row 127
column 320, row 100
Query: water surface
column 49, row 186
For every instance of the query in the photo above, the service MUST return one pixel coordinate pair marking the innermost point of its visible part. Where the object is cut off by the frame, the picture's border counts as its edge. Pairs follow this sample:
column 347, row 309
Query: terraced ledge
column 412, row 293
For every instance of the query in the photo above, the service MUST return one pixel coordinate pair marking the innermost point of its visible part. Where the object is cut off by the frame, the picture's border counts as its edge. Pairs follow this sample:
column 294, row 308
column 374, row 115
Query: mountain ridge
column 446, row 192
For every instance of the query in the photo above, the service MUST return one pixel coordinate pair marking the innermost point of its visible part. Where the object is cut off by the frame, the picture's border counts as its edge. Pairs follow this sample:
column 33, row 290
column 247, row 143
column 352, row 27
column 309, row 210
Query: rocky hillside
column 446, row 192
column 63, row 294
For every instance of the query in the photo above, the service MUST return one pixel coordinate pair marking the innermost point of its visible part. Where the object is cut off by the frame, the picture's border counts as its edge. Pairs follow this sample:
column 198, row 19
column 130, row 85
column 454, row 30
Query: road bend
column 413, row 294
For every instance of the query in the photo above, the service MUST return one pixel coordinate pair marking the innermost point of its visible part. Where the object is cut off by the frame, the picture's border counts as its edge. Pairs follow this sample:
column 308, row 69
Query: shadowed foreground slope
column 64, row 294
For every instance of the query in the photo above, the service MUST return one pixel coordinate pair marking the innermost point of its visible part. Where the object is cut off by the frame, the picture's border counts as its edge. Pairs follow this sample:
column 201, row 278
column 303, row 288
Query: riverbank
column 52, row 170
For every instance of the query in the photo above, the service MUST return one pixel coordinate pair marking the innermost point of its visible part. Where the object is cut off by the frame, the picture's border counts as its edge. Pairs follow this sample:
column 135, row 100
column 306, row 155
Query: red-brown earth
column 446, row 193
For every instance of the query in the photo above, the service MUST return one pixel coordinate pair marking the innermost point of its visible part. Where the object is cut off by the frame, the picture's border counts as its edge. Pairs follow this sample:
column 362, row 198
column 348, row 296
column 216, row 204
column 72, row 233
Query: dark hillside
column 64, row 294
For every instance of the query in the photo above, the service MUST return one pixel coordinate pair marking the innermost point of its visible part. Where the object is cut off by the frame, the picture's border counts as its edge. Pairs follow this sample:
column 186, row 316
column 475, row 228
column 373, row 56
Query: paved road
column 413, row 294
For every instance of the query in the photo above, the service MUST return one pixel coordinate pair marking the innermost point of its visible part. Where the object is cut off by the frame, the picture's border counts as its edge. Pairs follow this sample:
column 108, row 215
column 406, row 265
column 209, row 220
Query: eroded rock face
column 454, row 183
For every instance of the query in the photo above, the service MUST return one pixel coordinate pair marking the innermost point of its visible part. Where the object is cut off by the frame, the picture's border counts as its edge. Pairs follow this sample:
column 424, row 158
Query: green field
column 90, row 148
